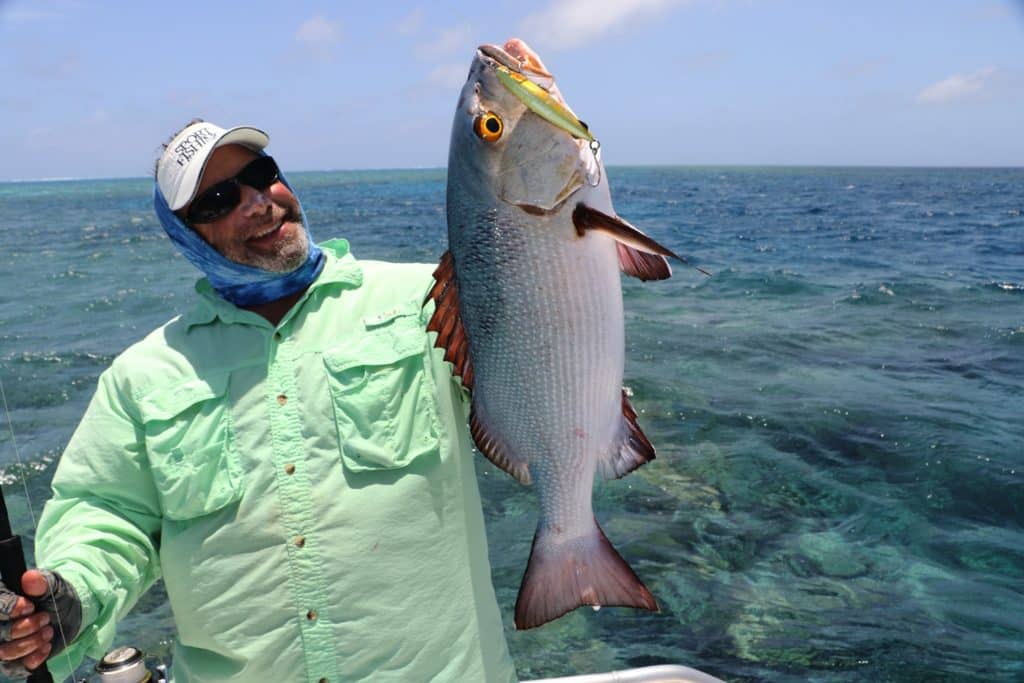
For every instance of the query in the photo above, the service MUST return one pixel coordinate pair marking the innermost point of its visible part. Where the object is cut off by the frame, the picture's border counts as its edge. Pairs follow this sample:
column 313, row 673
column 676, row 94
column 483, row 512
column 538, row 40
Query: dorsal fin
column 451, row 335
column 635, row 449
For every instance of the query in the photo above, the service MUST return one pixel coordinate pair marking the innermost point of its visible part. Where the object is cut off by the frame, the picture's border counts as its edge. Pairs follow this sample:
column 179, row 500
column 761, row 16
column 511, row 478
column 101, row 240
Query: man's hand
column 28, row 625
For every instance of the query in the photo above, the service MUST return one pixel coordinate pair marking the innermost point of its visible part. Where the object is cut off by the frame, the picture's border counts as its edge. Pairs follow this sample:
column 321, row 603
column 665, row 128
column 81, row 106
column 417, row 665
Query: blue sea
column 838, row 410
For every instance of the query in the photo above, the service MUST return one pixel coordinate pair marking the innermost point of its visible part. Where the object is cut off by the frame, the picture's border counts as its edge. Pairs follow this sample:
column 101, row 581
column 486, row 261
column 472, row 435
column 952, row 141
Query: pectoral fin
column 642, row 265
column 639, row 255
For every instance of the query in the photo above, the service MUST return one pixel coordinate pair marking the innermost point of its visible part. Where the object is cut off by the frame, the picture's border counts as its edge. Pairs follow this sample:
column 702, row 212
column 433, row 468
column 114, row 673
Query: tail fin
column 565, row 574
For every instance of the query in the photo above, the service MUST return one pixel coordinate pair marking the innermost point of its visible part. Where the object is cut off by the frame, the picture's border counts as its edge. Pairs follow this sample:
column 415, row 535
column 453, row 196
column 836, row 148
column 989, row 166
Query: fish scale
column 564, row 343
column 529, row 309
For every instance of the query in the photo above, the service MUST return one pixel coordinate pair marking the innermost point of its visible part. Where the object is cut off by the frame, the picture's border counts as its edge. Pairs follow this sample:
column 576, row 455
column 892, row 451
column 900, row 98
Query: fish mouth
column 521, row 71
column 517, row 56
column 499, row 55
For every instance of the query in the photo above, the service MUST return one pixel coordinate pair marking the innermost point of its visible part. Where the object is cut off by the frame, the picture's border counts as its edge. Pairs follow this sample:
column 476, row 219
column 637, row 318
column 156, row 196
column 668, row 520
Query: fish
column 528, row 307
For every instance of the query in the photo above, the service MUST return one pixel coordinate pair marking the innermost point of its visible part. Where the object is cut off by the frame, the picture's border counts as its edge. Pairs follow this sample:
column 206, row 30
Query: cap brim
column 253, row 138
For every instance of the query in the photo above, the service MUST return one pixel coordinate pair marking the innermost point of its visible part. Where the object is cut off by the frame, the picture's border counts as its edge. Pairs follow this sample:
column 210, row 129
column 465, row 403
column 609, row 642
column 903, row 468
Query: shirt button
column 323, row 680
column 289, row 469
column 282, row 399
column 311, row 615
column 300, row 541
column 277, row 336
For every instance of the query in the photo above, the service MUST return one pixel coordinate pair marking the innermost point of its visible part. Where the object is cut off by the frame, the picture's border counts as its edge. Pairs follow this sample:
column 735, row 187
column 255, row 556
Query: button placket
column 295, row 499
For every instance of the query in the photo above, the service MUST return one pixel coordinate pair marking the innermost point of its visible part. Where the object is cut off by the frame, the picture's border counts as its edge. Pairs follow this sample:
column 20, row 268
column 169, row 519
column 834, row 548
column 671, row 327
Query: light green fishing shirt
column 306, row 491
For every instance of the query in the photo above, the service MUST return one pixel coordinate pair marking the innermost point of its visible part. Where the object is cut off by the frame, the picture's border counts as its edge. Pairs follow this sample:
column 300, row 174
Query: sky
column 91, row 88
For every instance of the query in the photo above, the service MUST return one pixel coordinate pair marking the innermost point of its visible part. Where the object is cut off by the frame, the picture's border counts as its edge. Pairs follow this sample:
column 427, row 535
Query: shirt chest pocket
column 191, row 447
column 383, row 394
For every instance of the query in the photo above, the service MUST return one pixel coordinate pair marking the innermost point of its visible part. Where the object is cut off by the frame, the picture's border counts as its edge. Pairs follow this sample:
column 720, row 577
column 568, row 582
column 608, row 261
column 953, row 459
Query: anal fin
column 635, row 448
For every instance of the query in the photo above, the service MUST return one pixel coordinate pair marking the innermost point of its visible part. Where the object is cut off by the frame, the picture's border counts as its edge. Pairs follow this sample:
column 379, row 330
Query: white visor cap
column 181, row 165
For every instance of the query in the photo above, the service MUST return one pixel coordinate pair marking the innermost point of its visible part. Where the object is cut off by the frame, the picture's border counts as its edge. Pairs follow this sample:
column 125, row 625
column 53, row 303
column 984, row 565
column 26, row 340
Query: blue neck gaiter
column 240, row 284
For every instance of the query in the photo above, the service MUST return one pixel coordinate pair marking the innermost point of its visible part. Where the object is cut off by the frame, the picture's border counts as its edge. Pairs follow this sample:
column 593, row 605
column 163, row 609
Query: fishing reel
column 126, row 665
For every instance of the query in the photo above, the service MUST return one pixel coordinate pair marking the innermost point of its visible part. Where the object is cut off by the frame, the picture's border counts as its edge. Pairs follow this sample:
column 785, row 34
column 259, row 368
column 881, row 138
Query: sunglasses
column 220, row 199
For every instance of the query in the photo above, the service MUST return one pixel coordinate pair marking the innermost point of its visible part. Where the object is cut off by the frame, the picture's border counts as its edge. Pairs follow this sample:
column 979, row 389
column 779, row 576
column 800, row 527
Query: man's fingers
column 34, row 583
column 16, row 649
column 21, row 628
column 13, row 606
column 33, row 660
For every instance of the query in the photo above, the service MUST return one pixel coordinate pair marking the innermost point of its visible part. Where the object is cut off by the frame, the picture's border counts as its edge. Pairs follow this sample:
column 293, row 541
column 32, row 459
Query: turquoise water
column 839, row 488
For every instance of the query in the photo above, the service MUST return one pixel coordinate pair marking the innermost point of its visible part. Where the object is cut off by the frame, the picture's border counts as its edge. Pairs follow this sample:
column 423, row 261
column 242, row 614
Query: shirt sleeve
column 100, row 530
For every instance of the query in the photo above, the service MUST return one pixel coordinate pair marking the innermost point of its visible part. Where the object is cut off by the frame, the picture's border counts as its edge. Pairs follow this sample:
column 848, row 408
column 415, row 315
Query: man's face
column 265, row 229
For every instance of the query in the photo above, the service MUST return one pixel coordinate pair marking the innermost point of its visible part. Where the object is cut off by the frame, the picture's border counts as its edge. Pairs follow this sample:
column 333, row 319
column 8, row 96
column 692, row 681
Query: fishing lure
column 544, row 105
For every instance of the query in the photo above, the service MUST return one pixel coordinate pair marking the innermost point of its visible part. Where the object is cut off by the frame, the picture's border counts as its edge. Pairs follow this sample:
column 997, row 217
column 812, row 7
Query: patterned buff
column 241, row 285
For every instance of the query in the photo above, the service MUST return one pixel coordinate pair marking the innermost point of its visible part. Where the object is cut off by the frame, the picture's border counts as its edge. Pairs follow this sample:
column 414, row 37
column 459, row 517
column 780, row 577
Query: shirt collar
column 340, row 267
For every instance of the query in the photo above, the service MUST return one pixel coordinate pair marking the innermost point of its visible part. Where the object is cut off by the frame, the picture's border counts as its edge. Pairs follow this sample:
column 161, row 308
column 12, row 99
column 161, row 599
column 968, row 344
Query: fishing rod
column 12, row 553
column 12, row 566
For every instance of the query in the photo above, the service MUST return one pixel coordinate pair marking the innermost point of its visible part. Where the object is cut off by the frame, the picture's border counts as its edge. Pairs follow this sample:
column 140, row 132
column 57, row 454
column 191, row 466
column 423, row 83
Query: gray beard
column 289, row 257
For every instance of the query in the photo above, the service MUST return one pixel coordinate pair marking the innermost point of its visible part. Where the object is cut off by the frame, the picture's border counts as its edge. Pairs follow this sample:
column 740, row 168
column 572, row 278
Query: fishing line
column 31, row 513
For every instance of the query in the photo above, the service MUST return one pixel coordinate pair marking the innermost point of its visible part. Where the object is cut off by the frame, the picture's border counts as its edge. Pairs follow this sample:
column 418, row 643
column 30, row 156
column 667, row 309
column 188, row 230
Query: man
column 291, row 457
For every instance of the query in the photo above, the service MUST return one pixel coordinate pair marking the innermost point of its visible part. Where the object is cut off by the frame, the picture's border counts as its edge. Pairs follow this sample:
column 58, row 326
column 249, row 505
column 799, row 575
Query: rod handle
column 12, row 566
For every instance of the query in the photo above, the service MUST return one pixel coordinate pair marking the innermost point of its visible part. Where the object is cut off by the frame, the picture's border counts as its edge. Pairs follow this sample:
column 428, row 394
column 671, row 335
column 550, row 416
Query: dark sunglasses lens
column 260, row 173
column 216, row 202
column 220, row 199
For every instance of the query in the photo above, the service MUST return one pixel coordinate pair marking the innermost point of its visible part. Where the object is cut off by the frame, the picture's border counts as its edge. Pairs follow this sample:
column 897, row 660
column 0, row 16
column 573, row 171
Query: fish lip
column 499, row 55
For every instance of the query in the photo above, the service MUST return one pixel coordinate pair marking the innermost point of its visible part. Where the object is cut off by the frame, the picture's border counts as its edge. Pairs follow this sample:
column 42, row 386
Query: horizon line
column 923, row 167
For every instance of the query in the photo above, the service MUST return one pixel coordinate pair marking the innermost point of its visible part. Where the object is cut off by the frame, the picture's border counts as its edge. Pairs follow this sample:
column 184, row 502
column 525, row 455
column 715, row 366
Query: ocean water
column 838, row 410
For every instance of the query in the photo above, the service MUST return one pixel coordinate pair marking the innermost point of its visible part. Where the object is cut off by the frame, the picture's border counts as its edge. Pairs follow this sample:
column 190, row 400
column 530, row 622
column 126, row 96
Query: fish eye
column 488, row 126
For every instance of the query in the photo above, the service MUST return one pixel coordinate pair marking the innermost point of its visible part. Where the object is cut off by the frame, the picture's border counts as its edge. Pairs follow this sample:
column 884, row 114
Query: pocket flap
column 166, row 402
column 197, row 482
column 390, row 337
column 384, row 317
column 383, row 393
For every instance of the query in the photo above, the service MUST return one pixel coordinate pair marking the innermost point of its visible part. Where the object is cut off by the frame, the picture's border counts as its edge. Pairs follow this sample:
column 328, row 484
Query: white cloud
column 570, row 23
column 957, row 86
column 449, row 42
column 319, row 35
